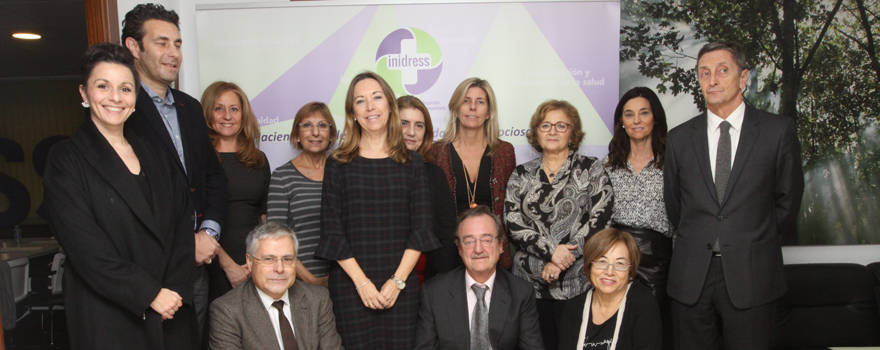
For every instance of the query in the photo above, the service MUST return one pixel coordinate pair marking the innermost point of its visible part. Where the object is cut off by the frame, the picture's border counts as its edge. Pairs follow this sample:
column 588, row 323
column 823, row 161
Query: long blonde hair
column 393, row 140
column 248, row 136
column 491, row 129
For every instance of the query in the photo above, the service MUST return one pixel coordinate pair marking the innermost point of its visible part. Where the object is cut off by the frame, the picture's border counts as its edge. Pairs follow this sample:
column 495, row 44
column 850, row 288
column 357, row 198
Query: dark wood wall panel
column 30, row 111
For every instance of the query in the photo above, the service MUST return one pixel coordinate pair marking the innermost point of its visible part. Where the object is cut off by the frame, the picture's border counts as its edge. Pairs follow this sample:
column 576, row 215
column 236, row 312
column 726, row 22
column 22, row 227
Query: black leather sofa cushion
column 828, row 305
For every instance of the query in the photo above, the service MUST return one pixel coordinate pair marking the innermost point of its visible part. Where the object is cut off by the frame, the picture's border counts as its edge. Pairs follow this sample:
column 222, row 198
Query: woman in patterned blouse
column 635, row 165
column 553, row 205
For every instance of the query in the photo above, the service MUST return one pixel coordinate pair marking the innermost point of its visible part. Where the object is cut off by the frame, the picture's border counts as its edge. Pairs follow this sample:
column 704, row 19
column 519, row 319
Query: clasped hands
column 379, row 300
column 562, row 259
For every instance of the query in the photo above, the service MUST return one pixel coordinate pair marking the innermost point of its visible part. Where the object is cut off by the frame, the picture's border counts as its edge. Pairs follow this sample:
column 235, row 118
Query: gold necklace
column 467, row 182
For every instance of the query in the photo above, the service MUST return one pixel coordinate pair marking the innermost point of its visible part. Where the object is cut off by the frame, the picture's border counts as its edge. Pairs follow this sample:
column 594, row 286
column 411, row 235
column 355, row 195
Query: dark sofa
column 829, row 305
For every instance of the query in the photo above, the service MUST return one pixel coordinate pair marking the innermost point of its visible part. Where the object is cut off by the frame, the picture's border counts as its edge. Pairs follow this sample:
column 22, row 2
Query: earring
column 85, row 104
column 624, row 127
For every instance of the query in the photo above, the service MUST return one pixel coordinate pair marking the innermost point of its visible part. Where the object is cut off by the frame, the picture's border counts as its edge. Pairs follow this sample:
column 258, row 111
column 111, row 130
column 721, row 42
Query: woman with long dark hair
column 418, row 133
column 635, row 165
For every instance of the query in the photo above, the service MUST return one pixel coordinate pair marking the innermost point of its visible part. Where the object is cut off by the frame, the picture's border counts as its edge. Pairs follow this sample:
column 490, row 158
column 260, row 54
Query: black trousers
column 549, row 315
column 653, row 271
column 714, row 323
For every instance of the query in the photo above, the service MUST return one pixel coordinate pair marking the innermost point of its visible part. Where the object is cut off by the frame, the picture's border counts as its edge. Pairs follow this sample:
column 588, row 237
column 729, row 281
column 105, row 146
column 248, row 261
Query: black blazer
column 120, row 250
column 206, row 178
column 443, row 314
column 763, row 198
column 639, row 329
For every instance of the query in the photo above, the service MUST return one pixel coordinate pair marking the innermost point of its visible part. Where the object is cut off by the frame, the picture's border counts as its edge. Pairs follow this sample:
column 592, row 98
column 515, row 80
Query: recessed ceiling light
column 29, row 36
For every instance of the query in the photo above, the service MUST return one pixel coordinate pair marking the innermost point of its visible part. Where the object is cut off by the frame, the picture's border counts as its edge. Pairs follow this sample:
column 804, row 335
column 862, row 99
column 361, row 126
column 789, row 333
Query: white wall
column 189, row 83
column 186, row 9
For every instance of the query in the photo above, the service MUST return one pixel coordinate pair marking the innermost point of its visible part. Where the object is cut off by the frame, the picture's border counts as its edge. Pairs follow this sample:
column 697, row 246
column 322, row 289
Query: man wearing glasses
column 478, row 306
column 270, row 311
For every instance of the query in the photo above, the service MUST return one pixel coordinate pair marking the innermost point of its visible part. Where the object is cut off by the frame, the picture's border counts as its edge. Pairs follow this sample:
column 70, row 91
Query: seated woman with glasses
column 615, row 313
column 295, row 189
column 553, row 205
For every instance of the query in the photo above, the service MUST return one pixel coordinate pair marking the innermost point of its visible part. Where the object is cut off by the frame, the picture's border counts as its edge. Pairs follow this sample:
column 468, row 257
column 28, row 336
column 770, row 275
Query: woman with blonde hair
column 295, row 190
column 375, row 222
column 476, row 162
column 234, row 131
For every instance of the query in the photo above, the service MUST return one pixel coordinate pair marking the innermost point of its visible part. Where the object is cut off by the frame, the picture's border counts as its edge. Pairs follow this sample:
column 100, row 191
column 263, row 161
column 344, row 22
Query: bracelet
column 365, row 283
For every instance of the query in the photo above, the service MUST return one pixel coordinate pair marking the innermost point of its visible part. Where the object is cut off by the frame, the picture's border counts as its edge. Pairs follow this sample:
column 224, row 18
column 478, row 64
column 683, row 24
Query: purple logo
column 410, row 60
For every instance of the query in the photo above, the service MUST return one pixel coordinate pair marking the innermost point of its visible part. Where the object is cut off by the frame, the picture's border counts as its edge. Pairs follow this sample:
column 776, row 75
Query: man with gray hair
column 270, row 311
column 733, row 187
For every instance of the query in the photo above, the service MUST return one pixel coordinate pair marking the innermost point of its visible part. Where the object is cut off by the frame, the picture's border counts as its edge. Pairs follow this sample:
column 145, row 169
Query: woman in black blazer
column 621, row 314
column 121, row 211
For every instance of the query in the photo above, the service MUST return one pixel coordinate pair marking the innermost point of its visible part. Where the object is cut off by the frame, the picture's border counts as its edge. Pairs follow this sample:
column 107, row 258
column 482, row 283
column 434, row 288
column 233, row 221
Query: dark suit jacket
column 207, row 179
column 120, row 249
column 240, row 321
column 639, row 329
column 443, row 314
column 763, row 198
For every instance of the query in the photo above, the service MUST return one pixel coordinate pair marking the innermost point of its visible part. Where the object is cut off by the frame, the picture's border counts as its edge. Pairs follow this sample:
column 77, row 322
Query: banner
column 286, row 55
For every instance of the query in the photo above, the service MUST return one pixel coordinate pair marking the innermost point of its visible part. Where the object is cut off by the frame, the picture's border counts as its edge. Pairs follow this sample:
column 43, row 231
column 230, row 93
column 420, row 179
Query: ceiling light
column 29, row 36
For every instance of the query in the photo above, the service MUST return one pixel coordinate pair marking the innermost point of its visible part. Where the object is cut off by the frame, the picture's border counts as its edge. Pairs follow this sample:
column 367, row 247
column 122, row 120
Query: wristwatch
column 211, row 232
column 400, row 284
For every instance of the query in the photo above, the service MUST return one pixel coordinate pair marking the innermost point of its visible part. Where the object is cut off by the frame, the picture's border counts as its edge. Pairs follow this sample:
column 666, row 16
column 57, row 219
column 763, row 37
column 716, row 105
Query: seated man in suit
column 257, row 313
column 478, row 306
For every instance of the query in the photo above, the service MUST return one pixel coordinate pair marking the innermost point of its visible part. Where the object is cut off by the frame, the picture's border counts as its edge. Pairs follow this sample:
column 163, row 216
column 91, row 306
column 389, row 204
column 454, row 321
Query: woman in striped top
column 295, row 189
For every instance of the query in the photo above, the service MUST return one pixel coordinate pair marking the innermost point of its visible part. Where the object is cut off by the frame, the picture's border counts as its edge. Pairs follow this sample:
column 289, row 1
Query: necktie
column 286, row 329
column 722, row 161
column 722, row 168
column 480, row 320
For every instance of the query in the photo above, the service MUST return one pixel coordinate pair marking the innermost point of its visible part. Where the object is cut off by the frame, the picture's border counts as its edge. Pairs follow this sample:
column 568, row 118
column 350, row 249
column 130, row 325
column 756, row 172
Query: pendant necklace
column 467, row 182
column 552, row 173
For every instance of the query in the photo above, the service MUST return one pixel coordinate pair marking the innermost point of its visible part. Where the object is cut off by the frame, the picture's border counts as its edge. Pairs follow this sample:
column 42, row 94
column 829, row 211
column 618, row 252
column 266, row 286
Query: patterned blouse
column 542, row 215
column 638, row 198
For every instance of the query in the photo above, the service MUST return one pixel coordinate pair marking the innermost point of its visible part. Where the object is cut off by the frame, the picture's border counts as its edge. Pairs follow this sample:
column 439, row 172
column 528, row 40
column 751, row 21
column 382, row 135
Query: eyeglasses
column 309, row 125
column 270, row 260
column 470, row 242
column 603, row 264
column 560, row 126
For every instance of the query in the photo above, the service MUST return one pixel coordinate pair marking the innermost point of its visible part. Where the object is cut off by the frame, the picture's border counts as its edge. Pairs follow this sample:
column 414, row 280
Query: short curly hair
column 577, row 130
column 133, row 24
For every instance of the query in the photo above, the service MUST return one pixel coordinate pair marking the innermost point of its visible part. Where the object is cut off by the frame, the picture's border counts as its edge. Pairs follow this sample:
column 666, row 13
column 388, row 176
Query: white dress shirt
column 736, row 121
column 472, row 296
column 273, row 313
